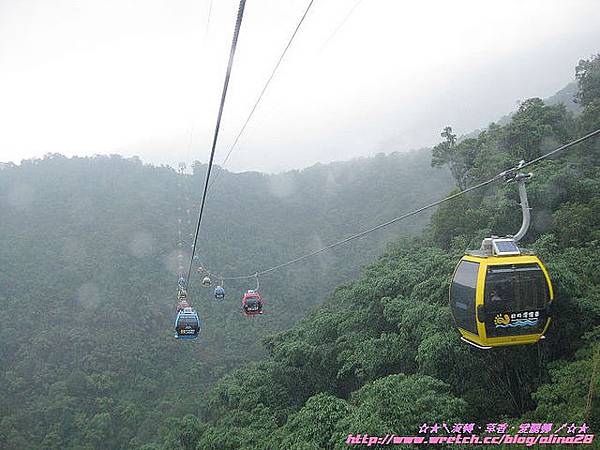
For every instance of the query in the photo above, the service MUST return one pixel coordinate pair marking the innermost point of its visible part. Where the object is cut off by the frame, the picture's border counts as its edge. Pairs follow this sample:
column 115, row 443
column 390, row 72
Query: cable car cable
column 361, row 234
column 499, row 176
column 342, row 23
column 210, row 5
column 561, row 148
column 260, row 96
column 234, row 41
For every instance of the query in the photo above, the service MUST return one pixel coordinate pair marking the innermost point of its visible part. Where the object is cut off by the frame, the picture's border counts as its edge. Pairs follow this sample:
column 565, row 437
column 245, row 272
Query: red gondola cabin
column 252, row 303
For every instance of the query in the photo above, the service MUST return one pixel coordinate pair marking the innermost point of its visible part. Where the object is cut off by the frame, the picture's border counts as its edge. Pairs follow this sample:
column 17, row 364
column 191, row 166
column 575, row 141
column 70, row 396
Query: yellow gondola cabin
column 501, row 295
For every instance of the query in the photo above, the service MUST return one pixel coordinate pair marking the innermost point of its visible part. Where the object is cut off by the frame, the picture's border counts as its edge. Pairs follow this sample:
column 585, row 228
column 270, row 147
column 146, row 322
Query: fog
column 144, row 77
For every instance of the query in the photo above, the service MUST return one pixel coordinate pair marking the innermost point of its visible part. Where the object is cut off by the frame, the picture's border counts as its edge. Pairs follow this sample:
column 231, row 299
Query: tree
column 565, row 398
column 458, row 156
column 314, row 424
column 399, row 404
column 587, row 73
column 535, row 127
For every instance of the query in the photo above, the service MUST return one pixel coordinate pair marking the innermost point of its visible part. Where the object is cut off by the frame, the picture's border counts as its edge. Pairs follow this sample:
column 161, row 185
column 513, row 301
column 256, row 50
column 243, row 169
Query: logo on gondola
column 522, row 319
column 186, row 331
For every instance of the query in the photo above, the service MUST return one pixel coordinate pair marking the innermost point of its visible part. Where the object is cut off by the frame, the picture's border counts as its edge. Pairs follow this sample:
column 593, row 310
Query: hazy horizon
column 144, row 79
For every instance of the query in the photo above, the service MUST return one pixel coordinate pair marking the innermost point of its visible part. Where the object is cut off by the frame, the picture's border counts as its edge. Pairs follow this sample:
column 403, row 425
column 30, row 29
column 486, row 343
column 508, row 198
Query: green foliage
column 577, row 222
column 313, row 425
column 380, row 355
column 446, row 224
column 93, row 241
column 457, row 156
column 587, row 73
column 399, row 404
column 534, row 128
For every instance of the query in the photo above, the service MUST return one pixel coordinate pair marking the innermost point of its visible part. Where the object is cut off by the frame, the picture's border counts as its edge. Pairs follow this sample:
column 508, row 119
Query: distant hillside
column 347, row 345
column 87, row 286
column 565, row 96
column 382, row 357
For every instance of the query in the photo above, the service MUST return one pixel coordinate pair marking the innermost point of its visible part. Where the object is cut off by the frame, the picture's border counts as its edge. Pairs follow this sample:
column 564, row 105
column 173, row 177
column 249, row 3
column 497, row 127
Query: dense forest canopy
column 87, row 290
column 381, row 355
column 88, row 281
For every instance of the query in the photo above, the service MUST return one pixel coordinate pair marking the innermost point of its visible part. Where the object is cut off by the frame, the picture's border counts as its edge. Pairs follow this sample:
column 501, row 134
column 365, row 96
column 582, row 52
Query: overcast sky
column 144, row 77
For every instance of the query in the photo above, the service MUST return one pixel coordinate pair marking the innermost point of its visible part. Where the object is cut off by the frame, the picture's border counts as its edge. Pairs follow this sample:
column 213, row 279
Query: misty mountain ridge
column 357, row 339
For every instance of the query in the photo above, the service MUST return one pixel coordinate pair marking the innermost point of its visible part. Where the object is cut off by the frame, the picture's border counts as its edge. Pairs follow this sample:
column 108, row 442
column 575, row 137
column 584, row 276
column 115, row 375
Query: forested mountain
column 567, row 97
column 88, row 281
column 88, row 277
column 381, row 355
